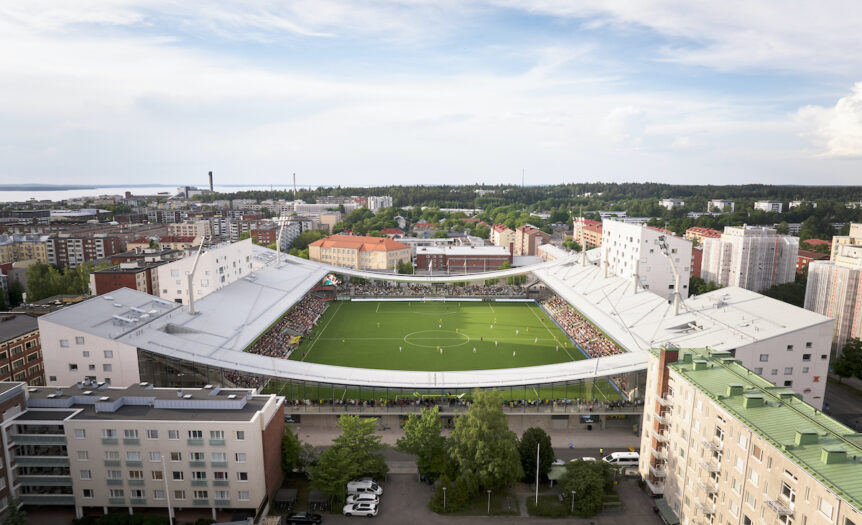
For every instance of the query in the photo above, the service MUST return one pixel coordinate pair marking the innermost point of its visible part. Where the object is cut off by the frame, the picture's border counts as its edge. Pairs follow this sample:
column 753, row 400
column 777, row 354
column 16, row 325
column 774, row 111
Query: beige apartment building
column 359, row 252
column 724, row 446
column 14, row 248
column 854, row 238
column 201, row 229
column 501, row 235
column 136, row 448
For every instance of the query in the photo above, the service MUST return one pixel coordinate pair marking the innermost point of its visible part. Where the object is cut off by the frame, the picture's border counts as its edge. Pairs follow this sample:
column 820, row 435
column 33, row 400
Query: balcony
column 663, row 417
column 665, row 400
column 131, row 441
column 135, row 482
column 222, row 503
column 137, row 501
column 657, row 471
column 134, row 463
column 707, row 506
column 217, row 442
column 713, row 444
column 221, row 483
column 708, row 485
column 709, row 465
column 201, row 502
column 779, row 507
column 199, row 483
column 661, row 437
column 655, row 486
column 44, row 481
column 112, row 462
column 114, row 482
column 38, row 439
column 216, row 464
column 117, row 501
column 195, row 442
column 659, row 454
column 44, row 461
column 110, row 441
column 47, row 499
column 201, row 464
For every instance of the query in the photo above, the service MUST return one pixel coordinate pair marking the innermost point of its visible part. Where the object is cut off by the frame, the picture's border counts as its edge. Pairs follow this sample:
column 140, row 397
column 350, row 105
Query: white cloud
column 836, row 131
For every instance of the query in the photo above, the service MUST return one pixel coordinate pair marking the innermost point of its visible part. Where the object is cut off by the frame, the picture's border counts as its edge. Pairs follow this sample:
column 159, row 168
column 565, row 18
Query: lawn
column 436, row 336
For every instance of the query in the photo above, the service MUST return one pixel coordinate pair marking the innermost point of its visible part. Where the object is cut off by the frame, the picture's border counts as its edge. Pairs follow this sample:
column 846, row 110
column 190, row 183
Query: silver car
column 362, row 498
column 360, row 509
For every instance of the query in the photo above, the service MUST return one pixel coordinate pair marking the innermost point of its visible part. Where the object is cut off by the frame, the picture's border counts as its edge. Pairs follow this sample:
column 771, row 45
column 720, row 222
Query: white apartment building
column 750, row 257
column 92, row 447
column 201, row 229
column 721, row 204
column 853, row 238
column 671, row 203
column 796, row 204
column 722, row 445
column 218, row 266
column 769, row 206
column 835, row 290
column 648, row 253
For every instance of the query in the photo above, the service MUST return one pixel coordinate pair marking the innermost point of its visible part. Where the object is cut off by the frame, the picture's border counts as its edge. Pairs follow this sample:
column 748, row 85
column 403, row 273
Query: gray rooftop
column 16, row 325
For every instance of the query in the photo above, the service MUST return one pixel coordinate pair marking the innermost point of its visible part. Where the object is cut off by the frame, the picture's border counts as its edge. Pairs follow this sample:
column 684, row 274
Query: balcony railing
column 38, row 439
column 659, row 454
column 222, row 503
column 661, row 437
column 779, row 507
column 221, row 483
column 199, row 483
column 665, row 401
column 195, row 442
column 137, row 501
column 655, row 486
column 131, row 441
column 708, row 485
column 707, row 506
column 136, row 482
column 110, row 441
column 47, row 499
column 216, row 464
column 112, row 462
column 41, row 461
column 713, row 444
column 657, row 471
column 45, row 481
column 445, row 409
column 114, row 481
column 217, row 442
column 117, row 501
column 709, row 465
column 663, row 418
column 134, row 463
column 201, row 502
column 201, row 464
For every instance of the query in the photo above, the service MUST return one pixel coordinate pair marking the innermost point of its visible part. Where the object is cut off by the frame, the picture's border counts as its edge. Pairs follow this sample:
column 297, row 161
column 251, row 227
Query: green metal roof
column 779, row 419
column 667, row 514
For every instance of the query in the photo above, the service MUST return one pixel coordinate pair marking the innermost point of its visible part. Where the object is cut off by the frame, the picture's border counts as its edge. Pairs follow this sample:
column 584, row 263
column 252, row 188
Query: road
column 845, row 404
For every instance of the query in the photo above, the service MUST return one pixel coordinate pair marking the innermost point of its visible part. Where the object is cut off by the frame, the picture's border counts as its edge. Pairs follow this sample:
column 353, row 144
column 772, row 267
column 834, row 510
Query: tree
column 572, row 244
column 16, row 293
column 244, row 235
column 14, row 515
column 405, row 267
column 423, row 436
column 439, row 234
column 354, row 453
column 290, row 449
column 697, row 286
column 588, row 479
column 481, row 231
column 783, row 228
column 482, row 448
column 849, row 362
column 305, row 238
column 527, row 449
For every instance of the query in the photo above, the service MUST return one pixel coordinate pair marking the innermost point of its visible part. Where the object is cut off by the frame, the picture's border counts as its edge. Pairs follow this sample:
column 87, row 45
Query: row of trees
column 45, row 280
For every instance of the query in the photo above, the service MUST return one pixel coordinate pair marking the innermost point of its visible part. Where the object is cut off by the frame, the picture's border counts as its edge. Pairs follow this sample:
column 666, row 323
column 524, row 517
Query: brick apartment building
column 528, row 238
column 20, row 349
column 587, row 233
column 264, row 236
column 67, row 251
column 137, row 275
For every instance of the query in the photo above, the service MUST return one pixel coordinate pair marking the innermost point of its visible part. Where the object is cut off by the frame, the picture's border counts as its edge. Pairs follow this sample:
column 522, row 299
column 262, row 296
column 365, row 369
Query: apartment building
column 655, row 256
column 67, row 251
column 218, row 266
column 92, row 447
column 835, row 290
column 179, row 242
column 721, row 205
column 20, row 349
column 769, row 206
column 14, row 248
column 137, row 275
column 750, row 257
column 587, row 233
column 12, row 400
column 359, row 251
column 671, row 203
column 853, row 238
column 723, row 445
column 697, row 234
column 528, row 238
column 797, row 204
column 501, row 235
column 201, row 228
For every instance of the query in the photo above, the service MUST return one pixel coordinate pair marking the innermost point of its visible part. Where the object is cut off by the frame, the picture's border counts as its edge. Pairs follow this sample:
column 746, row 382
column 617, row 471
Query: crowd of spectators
column 379, row 289
column 580, row 405
column 299, row 320
column 589, row 338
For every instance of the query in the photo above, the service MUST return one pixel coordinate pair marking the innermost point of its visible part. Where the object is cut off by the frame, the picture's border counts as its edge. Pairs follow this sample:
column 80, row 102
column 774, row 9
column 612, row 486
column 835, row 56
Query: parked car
column 364, row 486
column 558, row 462
column 304, row 517
column 622, row 459
column 360, row 509
column 363, row 498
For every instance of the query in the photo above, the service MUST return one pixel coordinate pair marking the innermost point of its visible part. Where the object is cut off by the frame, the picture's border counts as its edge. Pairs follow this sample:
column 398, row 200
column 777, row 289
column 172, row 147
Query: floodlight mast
column 191, row 276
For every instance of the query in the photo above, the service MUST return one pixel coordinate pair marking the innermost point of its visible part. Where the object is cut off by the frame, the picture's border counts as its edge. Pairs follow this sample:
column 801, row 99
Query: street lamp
column 444, row 499
column 573, row 502
column 489, row 501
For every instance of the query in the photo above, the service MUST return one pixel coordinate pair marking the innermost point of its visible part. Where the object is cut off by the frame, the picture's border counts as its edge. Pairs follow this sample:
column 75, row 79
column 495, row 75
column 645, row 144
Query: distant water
column 59, row 195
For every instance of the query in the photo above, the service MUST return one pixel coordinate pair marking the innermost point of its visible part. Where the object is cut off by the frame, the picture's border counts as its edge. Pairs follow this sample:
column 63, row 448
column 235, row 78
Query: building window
column 80, row 433
column 117, row 493
column 159, row 494
column 808, row 344
column 220, row 476
column 240, row 457
column 806, row 357
column 107, row 368
column 240, row 435
column 152, row 434
column 79, row 340
column 173, row 434
column 825, row 508
column 88, row 493
column 756, row 453
column 64, row 343
column 201, row 494
column 764, row 358
column 197, row 456
column 130, row 433
column 789, row 348
column 86, row 474
column 179, row 494
column 73, row 367
column 83, row 455
column 158, row 475
column 788, row 492
column 114, row 474
column 804, row 369
column 788, row 383
column 176, row 456
column 136, row 474
column 242, row 476
column 788, row 370
column 109, row 354
column 824, row 357
column 155, row 456
column 199, row 476
column 219, row 456
column 758, row 371
column 243, row 495
column 196, row 434
column 112, row 455
column 109, row 433
column 85, row 353
column 178, row 475
column 216, row 434
column 137, row 494
column 133, row 455
column 774, row 372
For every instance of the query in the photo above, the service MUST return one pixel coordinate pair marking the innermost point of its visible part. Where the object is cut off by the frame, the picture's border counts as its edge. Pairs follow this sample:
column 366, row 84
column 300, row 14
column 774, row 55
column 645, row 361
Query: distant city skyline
column 372, row 93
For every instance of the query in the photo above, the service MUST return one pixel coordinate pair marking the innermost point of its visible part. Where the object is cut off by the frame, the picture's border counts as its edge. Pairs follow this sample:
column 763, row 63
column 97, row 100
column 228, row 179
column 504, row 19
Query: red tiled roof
column 663, row 230
column 590, row 222
column 466, row 219
column 141, row 240
column 704, row 232
column 500, row 227
column 392, row 231
column 811, row 254
column 361, row 242
column 817, row 242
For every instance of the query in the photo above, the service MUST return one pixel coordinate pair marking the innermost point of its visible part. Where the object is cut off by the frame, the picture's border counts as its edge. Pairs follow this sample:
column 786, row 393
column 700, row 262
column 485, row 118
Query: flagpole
column 537, row 472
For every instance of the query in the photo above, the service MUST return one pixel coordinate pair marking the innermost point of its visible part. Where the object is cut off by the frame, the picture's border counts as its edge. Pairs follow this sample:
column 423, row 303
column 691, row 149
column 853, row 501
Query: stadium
column 573, row 338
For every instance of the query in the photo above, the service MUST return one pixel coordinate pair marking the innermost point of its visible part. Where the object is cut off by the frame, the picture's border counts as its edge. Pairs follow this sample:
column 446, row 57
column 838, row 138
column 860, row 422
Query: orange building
column 359, row 251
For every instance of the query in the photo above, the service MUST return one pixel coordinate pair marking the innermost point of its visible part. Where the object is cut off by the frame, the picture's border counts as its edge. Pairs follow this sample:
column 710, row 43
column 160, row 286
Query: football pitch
column 436, row 336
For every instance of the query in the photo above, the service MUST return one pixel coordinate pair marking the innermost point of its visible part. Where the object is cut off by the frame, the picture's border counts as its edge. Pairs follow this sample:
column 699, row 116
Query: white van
column 622, row 459
column 364, row 486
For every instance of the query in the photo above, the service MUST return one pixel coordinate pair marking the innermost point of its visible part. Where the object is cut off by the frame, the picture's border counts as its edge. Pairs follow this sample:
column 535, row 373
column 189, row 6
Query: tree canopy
column 849, row 361
column 423, row 436
column 44, row 280
column 588, row 480
column 527, row 448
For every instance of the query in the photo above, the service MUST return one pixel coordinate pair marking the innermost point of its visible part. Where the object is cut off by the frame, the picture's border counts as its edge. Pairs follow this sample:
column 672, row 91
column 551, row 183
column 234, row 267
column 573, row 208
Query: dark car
column 304, row 517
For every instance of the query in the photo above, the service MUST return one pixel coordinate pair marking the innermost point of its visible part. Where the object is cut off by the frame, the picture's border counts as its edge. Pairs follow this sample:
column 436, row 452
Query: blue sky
column 413, row 91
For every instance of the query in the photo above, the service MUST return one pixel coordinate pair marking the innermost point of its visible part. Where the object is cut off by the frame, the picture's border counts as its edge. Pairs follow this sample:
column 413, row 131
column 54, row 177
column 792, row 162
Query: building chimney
column 211, row 182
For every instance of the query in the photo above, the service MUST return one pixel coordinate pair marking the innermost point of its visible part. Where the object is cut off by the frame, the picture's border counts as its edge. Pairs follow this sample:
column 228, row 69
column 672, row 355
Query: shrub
column 548, row 508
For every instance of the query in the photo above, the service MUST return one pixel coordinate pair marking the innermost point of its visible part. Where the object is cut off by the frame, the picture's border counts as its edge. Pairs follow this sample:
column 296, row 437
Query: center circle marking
column 443, row 335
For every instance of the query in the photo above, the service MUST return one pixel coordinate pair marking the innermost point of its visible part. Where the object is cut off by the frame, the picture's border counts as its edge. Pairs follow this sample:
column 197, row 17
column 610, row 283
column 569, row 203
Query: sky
column 437, row 91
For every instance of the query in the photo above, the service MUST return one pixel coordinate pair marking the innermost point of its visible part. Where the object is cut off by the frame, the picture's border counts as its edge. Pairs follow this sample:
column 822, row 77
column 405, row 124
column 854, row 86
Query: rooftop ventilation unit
column 231, row 396
column 51, row 396
column 187, row 396
column 87, row 392
column 104, row 398
column 108, row 298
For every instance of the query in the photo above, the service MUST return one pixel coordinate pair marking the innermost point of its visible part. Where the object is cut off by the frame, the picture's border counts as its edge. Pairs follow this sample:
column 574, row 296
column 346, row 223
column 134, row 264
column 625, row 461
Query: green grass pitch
column 436, row 336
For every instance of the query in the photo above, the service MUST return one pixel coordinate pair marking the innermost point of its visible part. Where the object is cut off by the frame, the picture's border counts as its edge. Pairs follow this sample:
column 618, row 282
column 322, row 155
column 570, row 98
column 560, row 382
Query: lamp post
column 444, row 499
column 573, row 502
column 489, row 501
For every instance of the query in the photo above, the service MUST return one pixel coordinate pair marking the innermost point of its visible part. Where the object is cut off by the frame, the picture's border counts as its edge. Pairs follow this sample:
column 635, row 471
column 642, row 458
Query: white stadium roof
column 227, row 320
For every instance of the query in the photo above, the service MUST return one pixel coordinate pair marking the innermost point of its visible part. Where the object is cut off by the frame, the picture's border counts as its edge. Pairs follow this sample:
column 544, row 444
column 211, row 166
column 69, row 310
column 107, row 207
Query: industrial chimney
column 211, row 182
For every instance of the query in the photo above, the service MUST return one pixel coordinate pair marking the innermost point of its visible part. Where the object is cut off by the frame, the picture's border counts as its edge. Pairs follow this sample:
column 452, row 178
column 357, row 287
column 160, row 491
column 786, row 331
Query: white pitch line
column 322, row 330
column 491, row 307
column 377, row 310
column 549, row 332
